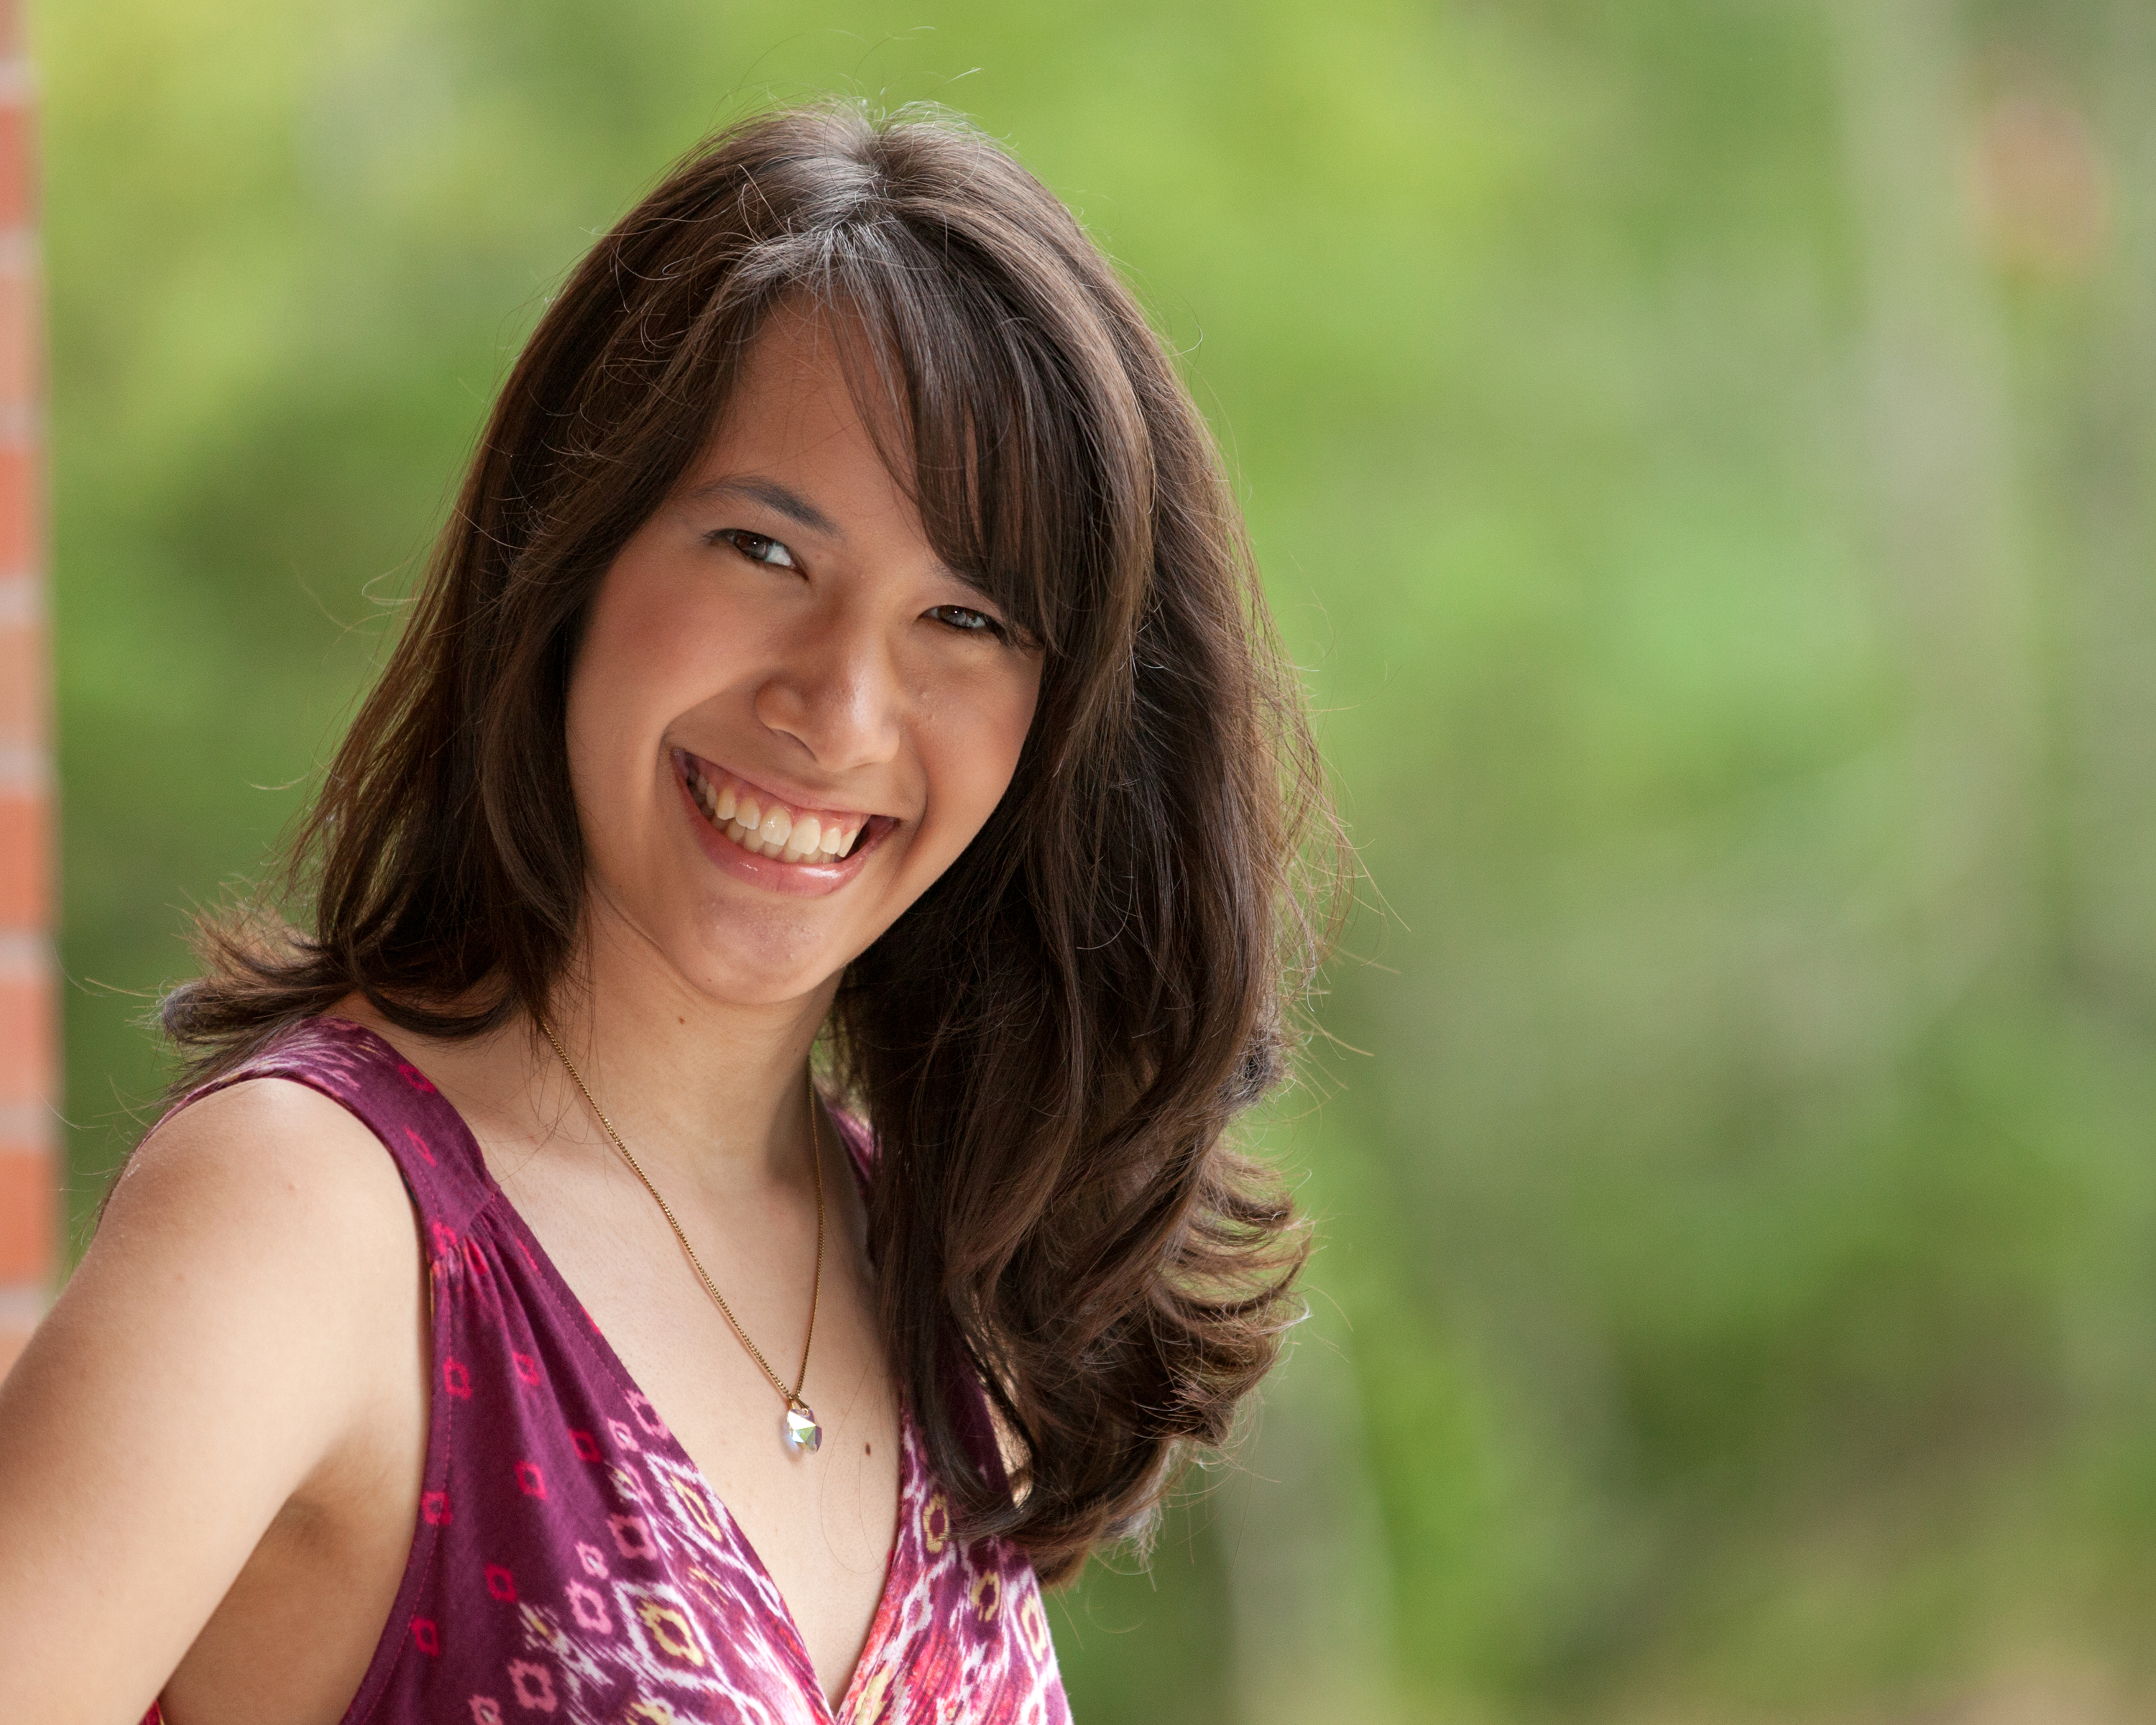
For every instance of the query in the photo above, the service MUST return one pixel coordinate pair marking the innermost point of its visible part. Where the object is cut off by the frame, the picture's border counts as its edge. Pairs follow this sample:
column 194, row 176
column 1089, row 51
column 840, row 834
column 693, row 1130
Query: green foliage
column 1740, row 1208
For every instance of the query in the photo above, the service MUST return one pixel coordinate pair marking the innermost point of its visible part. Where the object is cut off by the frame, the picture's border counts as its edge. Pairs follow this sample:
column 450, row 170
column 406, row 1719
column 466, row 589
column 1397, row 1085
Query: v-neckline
column 557, row 1284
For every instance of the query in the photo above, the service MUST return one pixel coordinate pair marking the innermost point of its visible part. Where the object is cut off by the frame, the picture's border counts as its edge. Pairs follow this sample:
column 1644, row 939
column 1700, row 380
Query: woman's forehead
column 930, row 407
column 815, row 379
column 794, row 435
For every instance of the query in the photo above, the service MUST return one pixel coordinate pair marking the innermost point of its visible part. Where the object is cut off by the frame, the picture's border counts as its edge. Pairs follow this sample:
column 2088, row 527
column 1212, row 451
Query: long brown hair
column 1051, row 1042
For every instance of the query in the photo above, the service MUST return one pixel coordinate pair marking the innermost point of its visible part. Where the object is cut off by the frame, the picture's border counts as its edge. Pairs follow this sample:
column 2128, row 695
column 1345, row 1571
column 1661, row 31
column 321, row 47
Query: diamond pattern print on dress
column 692, row 1506
column 670, row 1642
column 569, row 1563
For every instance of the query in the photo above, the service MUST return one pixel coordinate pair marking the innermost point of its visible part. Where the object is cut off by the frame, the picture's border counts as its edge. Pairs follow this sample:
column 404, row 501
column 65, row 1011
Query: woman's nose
column 838, row 695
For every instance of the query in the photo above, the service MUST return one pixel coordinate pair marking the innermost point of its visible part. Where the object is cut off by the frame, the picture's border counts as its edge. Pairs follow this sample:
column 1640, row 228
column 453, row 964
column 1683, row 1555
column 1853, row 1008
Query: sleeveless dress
column 570, row 1566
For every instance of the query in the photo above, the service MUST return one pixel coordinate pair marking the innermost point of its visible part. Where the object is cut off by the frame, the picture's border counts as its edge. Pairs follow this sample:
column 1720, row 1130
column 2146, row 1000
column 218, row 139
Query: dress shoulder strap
column 433, row 1149
column 858, row 1143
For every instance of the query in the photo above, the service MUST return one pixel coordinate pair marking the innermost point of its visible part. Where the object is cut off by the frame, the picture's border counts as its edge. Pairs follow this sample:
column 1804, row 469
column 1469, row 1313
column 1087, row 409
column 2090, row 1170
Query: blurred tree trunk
column 1939, row 469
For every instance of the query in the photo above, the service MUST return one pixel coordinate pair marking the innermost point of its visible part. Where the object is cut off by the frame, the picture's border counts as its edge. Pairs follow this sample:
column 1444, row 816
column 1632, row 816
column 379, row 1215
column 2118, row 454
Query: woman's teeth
column 764, row 828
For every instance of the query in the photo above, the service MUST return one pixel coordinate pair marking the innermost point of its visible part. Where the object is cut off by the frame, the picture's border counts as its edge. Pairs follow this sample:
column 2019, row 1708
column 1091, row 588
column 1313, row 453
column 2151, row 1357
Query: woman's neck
column 707, row 1093
column 717, row 1088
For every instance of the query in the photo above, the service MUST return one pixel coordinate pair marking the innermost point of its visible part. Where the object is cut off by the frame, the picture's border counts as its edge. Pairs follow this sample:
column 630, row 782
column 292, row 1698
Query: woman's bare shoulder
column 266, row 1158
column 252, row 1297
column 263, row 1223
column 262, row 1216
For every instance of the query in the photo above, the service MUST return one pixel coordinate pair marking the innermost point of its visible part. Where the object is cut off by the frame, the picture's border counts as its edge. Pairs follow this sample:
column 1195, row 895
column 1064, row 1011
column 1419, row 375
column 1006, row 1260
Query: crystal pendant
column 802, row 1430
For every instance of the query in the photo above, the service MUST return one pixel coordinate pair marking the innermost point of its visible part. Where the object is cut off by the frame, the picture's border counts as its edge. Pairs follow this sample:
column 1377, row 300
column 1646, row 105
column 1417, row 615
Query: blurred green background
column 1700, row 451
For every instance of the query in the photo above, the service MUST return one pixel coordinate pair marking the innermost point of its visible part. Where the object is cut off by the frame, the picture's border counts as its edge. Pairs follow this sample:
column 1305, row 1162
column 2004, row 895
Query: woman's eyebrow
column 791, row 503
column 787, row 501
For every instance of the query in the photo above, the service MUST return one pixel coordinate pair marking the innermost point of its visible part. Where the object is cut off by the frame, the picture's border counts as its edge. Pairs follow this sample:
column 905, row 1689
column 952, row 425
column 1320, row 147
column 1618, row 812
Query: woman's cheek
column 986, row 756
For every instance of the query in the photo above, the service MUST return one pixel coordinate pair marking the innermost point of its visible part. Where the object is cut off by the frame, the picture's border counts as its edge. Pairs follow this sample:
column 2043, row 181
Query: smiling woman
column 844, row 632
column 835, row 700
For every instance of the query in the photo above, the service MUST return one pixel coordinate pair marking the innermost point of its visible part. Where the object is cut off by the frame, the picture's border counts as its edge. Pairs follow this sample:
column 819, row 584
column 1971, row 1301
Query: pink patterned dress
column 570, row 1565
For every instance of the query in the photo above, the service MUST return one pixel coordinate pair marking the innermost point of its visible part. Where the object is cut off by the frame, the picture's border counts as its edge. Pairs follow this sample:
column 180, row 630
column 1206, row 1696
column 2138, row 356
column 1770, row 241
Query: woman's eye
column 968, row 620
column 757, row 549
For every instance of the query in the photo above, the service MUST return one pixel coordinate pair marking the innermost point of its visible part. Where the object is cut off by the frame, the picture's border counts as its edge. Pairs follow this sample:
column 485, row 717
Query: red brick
column 21, row 381
column 30, row 1194
column 16, row 177
column 30, row 1217
column 22, row 683
column 18, row 509
column 26, row 1039
column 26, row 839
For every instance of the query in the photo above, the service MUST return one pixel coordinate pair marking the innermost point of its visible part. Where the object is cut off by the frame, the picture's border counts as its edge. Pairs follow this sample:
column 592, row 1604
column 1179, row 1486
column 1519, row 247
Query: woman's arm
column 250, row 1295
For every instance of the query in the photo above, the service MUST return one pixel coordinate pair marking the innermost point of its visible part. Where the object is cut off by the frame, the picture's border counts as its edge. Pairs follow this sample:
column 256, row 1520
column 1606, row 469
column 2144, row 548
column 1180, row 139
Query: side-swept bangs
column 989, row 344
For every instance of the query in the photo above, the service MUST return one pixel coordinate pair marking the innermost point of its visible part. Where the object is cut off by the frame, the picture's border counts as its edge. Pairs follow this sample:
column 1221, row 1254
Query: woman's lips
column 757, row 837
column 762, row 824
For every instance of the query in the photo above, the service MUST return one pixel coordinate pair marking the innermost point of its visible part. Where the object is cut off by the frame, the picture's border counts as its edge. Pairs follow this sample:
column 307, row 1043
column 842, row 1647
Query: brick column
column 30, row 1182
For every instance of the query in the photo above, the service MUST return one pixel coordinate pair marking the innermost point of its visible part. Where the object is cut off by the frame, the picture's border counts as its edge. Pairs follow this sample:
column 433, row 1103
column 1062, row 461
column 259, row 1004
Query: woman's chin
column 755, row 963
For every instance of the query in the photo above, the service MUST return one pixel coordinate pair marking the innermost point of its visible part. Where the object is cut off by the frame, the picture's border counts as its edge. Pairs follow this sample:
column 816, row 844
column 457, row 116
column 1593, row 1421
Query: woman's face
column 779, row 644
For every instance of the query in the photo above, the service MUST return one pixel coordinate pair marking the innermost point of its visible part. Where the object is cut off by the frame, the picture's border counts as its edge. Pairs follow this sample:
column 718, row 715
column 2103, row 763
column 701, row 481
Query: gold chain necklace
column 803, row 1433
